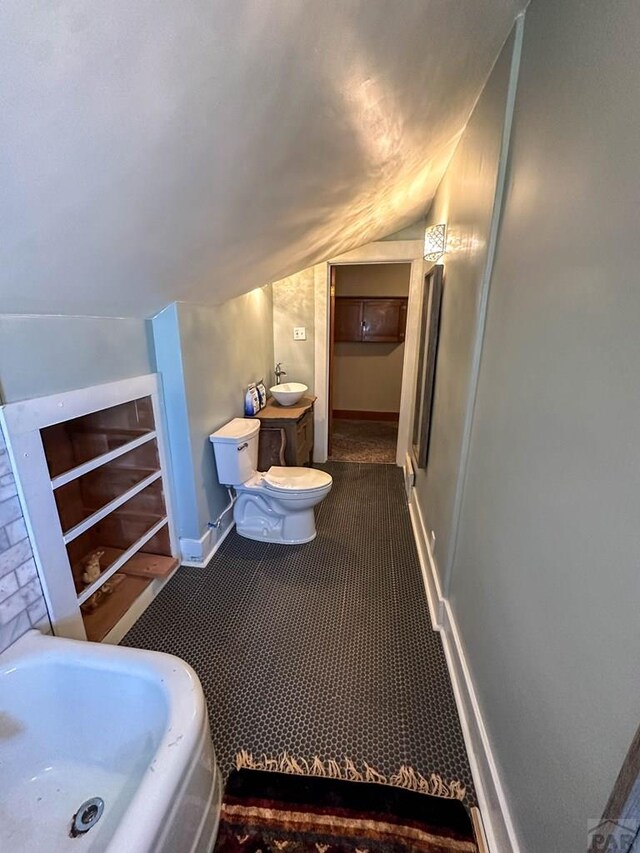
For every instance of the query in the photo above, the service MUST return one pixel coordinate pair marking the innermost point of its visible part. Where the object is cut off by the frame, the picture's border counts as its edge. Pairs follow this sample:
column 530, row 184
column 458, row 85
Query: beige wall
column 293, row 305
column 368, row 377
column 373, row 279
column 414, row 231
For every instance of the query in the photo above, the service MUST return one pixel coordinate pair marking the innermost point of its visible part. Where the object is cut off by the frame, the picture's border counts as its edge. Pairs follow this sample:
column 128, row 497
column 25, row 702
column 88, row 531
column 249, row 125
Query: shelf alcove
column 91, row 470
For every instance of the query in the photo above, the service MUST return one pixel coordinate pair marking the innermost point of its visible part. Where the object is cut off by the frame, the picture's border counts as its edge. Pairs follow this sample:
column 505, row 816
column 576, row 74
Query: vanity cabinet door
column 304, row 439
column 286, row 443
column 272, row 446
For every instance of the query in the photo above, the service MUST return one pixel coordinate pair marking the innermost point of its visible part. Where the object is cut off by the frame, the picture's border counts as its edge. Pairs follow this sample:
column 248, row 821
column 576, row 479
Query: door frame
column 426, row 362
column 383, row 252
column 332, row 324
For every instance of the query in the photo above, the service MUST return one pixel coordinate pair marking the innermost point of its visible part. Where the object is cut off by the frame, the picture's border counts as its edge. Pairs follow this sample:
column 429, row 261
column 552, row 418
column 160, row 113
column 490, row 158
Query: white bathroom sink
column 82, row 720
column 288, row 393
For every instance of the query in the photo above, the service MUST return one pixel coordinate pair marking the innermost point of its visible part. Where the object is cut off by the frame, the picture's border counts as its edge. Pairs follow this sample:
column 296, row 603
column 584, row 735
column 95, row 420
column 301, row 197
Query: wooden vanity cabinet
column 286, row 434
column 370, row 320
column 301, row 449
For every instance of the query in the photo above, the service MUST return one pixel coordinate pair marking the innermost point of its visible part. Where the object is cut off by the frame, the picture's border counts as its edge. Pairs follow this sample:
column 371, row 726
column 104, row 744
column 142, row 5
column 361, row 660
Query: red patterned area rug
column 269, row 812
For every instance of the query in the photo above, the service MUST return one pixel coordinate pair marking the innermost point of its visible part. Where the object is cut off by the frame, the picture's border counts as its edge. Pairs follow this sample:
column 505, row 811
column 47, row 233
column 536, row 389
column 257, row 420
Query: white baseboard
column 430, row 576
column 499, row 828
column 196, row 553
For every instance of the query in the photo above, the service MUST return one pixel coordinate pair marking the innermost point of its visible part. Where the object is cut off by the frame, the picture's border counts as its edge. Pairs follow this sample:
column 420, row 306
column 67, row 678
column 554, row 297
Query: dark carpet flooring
column 364, row 441
column 320, row 649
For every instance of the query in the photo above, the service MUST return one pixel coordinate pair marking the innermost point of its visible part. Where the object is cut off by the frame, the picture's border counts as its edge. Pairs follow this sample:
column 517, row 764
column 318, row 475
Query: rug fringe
column 406, row 777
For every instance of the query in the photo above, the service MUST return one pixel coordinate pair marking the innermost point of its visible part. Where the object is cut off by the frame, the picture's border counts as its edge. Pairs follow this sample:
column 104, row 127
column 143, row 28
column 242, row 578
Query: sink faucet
column 279, row 372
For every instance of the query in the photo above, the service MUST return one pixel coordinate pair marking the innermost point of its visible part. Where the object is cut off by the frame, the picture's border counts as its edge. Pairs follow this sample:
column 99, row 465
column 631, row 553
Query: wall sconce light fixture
column 435, row 238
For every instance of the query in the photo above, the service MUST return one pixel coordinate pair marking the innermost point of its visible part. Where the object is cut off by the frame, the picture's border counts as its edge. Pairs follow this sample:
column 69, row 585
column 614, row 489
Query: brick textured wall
column 22, row 604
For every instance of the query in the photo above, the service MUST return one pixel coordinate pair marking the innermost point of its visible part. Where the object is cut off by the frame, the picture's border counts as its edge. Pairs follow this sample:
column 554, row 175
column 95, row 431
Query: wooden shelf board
column 87, row 506
column 113, row 607
column 150, row 516
column 110, row 431
column 112, row 560
column 103, row 459
column 142, row 564
column 107, row 509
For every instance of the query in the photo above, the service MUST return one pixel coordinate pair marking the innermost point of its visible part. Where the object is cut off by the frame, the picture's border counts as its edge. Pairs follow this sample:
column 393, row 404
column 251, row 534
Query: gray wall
column 168, row 362
column 207, row 356
column 293, row 305
column 223, row 350
column 545, row 583
column 464, row 201
column 226, row 144
column 45, row 355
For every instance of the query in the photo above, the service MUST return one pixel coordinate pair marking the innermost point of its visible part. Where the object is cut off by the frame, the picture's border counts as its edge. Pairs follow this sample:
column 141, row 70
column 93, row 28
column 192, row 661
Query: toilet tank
column 236, row 450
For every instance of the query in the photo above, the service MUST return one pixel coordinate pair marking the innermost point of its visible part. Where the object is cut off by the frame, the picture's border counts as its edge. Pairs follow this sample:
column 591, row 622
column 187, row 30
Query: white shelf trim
column 22, row 423
column 79, row 529
column 122, row 559
column 92, row 464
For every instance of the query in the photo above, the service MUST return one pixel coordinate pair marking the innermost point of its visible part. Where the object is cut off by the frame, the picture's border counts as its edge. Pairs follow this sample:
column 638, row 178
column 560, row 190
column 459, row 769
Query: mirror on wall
column 427, row 356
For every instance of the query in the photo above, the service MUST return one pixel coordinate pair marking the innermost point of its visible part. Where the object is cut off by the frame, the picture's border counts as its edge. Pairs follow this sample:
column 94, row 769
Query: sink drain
column 87, row 816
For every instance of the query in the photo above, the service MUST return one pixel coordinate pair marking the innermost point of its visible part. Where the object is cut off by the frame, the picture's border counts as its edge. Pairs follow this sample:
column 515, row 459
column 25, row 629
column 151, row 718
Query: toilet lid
column 296, row 479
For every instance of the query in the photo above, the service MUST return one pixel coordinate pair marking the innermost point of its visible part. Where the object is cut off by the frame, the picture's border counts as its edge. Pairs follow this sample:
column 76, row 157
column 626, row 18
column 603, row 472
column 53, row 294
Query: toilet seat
column 291, row 480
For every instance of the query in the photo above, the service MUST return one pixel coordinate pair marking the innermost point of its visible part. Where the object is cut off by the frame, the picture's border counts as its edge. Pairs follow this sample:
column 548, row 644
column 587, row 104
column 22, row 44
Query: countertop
column 273, row 411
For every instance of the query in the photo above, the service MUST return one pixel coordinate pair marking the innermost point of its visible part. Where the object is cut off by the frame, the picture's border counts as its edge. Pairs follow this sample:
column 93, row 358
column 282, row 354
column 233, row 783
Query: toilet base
column 258, row 519
column 267, row 538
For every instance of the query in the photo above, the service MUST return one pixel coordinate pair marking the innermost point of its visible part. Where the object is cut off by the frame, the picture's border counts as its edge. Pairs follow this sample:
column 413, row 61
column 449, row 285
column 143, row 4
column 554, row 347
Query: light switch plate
column 299, row 333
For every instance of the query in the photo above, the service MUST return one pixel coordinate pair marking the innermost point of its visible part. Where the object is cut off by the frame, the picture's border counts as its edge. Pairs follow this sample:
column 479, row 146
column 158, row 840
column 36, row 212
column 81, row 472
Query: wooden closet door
column 348, row 319
column 383, row 320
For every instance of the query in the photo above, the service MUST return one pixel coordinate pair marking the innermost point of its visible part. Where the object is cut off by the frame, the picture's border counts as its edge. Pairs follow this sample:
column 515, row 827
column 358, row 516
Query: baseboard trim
column 498, row 824
column 357, row 415
column 197, row 553
column 429, row 577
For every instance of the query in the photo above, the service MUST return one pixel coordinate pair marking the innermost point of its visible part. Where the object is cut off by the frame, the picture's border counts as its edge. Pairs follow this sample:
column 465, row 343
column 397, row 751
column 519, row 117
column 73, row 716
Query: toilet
column 276, row 506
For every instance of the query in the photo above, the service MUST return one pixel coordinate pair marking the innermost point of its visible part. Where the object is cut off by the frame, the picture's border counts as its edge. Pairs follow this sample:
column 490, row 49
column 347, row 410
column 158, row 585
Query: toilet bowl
column 274, row 506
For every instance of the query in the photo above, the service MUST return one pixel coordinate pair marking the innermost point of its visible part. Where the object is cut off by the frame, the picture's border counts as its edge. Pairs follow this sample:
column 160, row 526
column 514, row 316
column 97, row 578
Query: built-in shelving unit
column 97, row 503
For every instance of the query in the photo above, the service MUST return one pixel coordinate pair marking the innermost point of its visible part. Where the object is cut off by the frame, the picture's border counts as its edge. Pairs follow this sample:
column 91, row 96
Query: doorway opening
column 367, row 323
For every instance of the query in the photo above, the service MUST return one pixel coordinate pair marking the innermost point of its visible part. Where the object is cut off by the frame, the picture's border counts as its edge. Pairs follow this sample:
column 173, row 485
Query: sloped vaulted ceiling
column 194, row 149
